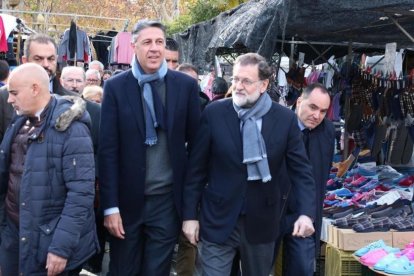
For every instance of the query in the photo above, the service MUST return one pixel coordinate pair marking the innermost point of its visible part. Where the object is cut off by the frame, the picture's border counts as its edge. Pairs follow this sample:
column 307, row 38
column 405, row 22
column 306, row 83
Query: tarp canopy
column 261, row 25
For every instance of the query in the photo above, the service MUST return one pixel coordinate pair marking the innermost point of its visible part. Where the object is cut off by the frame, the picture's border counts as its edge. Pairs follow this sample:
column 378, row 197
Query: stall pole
column 347, row 100
column 401, row 28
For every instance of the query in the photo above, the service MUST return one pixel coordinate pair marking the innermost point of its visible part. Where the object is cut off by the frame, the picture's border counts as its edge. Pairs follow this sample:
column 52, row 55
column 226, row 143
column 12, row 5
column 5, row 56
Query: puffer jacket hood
column 65, row 116
column 64, row 111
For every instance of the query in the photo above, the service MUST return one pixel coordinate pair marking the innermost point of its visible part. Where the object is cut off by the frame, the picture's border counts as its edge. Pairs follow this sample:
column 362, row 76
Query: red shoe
column 406, row 182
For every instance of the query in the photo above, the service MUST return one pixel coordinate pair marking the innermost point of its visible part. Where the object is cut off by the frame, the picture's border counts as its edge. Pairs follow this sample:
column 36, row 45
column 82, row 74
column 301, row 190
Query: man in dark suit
column 243, row 148
column 319, row 138
column 150, row 115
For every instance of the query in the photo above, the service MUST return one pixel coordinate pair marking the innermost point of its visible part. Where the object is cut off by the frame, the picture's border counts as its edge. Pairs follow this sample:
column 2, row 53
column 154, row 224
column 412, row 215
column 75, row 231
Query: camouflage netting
column 261, row 25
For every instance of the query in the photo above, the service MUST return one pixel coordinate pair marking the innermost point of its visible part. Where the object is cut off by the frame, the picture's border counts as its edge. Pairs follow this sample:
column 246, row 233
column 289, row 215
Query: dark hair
column 143, row 24
column 316, row 85
column 109, row 72
column 220, row 86
column 265, row 71
column 4, row 70
column 171, row 44
column 38, row 38
column 185, row 67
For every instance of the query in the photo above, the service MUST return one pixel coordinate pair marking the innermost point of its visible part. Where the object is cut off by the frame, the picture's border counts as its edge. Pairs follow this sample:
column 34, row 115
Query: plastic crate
column 278, row 268
column 340, row 263
column 320, row 266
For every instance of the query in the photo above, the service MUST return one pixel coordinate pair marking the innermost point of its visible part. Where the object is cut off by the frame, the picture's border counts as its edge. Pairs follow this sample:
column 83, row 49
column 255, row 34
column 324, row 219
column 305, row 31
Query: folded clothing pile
column 397, row 216
column 391, row 260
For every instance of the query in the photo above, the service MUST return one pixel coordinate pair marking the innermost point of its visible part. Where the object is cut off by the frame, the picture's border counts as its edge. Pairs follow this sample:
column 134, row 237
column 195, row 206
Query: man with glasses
column 244, row 148
column 93, row 77
column 151, row 115
column 73, row 79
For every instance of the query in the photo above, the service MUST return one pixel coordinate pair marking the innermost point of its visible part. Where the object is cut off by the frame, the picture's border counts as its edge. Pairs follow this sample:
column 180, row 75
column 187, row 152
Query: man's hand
column 303, row 227
column 190, row 230
column 55, row 264
column 114, row 225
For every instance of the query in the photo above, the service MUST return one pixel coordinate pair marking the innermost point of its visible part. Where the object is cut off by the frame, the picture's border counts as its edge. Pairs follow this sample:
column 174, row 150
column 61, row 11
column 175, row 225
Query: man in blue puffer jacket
column 47, row 177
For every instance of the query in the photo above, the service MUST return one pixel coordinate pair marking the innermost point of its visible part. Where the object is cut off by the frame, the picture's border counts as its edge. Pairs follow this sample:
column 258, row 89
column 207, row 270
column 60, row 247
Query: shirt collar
column 301, row 125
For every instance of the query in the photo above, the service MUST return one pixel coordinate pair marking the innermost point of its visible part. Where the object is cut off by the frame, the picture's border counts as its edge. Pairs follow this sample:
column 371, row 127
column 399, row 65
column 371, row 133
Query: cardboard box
column 325, row 229
column 349, row 240
column 401, row 239
column 331, row 230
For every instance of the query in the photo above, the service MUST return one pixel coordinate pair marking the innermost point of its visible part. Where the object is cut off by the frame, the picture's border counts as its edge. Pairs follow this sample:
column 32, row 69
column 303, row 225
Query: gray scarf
column 254, row 148
column 151, row 120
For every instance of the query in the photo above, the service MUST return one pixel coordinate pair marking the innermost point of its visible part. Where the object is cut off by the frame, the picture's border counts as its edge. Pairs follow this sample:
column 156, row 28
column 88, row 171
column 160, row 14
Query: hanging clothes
column 101, row 43
column 3, row 37
column 82, row 46
column 72, row 42
column 123, row 52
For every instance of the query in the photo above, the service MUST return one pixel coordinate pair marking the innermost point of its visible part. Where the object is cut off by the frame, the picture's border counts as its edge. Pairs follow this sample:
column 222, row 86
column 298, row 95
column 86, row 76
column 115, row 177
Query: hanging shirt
column 82, row 46
column 123, row 50
column 3, row 37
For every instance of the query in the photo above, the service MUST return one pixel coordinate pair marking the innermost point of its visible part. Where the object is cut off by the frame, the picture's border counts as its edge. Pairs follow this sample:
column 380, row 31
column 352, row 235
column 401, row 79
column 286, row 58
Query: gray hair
column 68, row 69
column 93, row 72
column 265, row 71
column 143, row 24
column 38, row 38
column 97, row 62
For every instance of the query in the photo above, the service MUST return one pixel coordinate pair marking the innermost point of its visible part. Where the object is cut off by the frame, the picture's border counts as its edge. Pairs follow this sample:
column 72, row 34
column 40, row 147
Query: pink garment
column 3, row 38
column 123, row 51
column 208, row 89
column 313, row 77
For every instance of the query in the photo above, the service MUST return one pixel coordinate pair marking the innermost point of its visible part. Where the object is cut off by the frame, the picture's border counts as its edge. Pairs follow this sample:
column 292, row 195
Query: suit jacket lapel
column 269, row 121
column 133, row 97
column 233, row 124
column 172, row 99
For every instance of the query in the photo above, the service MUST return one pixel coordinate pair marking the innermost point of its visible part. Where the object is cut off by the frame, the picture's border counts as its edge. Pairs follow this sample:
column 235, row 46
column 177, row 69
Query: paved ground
column 106, row 263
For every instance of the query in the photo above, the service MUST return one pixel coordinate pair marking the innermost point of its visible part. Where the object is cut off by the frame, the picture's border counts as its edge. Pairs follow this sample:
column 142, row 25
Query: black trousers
column 149, row 243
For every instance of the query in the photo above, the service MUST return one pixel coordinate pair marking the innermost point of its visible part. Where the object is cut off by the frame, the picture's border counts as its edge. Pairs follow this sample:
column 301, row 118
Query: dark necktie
column 305, row 137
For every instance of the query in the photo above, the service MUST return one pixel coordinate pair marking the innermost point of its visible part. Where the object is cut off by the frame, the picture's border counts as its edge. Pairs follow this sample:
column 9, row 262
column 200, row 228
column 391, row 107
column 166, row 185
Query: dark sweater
column 17, row 162
column 159, row 172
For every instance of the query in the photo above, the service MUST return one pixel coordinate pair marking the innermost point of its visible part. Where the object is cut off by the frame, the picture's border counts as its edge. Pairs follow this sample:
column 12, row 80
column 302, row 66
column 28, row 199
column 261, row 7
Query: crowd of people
column 144, row 159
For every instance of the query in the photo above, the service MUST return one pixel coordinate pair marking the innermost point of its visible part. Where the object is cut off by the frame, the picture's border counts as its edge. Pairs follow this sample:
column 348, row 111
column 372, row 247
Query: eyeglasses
column 74, row 80
column 244, row 82
column 92, row 80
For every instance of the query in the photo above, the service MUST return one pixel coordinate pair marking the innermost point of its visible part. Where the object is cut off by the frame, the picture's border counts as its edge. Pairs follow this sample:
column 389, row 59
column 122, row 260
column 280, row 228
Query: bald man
column 46, row 180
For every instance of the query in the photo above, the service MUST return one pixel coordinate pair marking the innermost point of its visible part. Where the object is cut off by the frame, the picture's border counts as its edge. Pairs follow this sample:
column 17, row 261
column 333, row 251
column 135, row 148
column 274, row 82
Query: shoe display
column 373, row 256
column 385, row 261
column 374, row 245
column 401, row 266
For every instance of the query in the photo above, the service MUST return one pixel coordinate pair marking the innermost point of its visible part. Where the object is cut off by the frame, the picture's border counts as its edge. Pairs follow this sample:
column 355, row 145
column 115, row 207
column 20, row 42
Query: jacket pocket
column 45, row 239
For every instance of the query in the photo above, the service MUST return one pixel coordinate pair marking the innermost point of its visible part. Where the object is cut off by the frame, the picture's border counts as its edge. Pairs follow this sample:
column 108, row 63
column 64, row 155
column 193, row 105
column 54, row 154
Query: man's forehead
column 151, row 33
column 42, row 49
column 73, row 72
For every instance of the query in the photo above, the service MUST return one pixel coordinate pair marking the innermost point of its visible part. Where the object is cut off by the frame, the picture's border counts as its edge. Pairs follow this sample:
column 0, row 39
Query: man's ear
column 24, row 59
column 265, row 85
column 298, row 101
column 36, row 89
